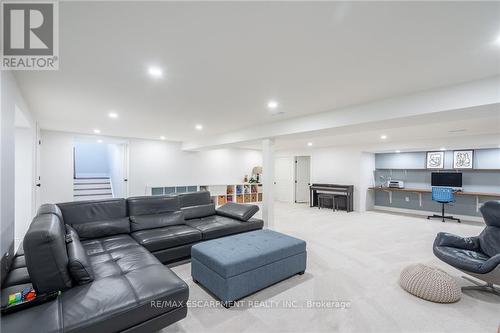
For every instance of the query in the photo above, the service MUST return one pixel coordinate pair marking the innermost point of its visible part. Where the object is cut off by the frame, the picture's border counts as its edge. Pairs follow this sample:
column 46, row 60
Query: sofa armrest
column 451, row 240
column 238, row 211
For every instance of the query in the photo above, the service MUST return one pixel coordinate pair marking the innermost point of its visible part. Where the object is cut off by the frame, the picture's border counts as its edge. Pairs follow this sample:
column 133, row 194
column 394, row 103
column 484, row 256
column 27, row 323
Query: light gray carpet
column 356, row 258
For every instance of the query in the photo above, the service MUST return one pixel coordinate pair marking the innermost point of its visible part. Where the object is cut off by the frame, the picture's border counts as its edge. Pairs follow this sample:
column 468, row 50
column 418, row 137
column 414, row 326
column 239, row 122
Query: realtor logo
column 29, row 35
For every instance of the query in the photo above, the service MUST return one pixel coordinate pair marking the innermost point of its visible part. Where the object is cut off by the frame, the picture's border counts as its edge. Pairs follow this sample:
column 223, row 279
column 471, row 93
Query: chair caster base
column 443, row 218
column 486, row 287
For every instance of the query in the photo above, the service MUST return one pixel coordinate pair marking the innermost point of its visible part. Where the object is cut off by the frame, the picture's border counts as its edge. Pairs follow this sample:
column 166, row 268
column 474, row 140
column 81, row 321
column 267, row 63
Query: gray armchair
column 477, row 256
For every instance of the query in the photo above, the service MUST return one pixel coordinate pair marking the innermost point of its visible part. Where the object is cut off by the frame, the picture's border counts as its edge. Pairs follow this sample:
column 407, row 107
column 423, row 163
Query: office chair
column 477, row 256
column 443, row 195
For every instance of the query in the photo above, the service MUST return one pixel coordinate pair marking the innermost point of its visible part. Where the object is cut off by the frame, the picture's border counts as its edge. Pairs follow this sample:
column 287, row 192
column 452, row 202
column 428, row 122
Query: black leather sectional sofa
column 107, row 260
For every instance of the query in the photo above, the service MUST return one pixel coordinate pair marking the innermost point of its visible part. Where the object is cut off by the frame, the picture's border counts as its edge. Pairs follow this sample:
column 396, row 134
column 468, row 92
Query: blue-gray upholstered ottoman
column 236, row 266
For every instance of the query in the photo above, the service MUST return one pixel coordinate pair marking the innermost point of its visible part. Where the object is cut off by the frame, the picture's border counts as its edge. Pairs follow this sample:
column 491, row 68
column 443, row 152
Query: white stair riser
column 91, row 186
column 90, row 180
column 92, row 197
column 93, row 192
column 91, row 189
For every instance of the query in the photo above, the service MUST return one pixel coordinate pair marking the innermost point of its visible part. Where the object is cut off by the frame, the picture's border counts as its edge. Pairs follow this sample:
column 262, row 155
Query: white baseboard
column 426, row 213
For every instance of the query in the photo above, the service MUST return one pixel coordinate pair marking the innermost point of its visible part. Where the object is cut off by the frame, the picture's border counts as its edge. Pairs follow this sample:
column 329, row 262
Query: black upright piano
column 336, row 189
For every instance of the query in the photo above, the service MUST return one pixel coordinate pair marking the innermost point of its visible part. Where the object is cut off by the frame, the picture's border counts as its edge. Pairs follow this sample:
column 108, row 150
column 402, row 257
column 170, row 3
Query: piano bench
column 322, row 197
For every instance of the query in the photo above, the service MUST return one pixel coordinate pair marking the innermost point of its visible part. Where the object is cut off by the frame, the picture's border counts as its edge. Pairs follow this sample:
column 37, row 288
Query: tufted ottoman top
column 233, row 255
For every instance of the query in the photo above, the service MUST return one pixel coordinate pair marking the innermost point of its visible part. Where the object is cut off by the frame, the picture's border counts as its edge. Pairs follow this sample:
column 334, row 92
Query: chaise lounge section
column 107, row 258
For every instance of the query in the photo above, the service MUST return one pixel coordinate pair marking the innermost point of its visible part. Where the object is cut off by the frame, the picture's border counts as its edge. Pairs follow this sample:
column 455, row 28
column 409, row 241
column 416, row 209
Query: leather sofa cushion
column 142, row 222
column 50, row 209
column 238, row 211
column 18, row 262
column 152, row 205
column 193, row 212
column 94, row 210
column 127, row 279
column 126, row 287
column 78, row 262
column 107, row 244
column 168, row 237
column 17, row 276
column 96, row 218
column 44, row 318
column 102, row 228
column 216, row 226
column 46, row 255
column 123, row 300
column 194, row 198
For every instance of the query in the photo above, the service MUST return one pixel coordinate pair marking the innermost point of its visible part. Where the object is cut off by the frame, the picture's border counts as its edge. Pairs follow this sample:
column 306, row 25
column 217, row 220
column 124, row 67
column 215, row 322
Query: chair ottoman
column 236, row 266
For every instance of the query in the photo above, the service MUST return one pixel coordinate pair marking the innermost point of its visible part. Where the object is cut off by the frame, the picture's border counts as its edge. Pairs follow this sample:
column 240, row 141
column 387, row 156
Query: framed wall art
column 463, row 159
column 435, row 160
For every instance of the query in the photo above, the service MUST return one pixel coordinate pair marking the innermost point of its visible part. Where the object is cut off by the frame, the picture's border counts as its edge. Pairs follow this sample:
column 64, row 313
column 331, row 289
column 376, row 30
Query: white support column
column 268, row 182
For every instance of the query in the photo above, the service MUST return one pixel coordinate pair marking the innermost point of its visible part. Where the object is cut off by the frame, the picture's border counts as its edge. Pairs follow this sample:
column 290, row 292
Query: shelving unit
column 220, row 194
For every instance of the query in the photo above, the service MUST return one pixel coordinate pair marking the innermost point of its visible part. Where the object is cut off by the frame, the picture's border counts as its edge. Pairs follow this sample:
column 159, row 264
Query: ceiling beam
column 465, row 95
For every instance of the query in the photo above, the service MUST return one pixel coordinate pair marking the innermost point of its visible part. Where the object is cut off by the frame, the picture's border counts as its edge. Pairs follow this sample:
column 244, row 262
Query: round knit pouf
column 430, row 283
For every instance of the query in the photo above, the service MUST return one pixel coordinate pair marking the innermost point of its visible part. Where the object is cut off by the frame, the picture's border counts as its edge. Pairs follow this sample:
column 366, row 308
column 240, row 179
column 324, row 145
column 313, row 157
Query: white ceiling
column 477, row 127
column 223, row 61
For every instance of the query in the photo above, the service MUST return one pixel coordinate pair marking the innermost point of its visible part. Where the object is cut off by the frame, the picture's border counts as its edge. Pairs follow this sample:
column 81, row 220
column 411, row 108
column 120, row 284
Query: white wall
column 24, row 181
column 10, row 100
column 151, row 163
column 346, row 166
column 367, row 166
column 91, row 160
column 159, row 163
column 56, row 166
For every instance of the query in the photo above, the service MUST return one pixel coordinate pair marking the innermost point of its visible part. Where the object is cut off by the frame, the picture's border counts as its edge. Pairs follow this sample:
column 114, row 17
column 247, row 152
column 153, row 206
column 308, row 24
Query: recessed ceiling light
column 113, row 115
column 272, row 105
column 97, row 131
column 398, row 151
column 310, row 144
column 155, row 72
column 99, row 141
column 162, row 138
column 442, row 149
column 198, row 127
column 383, row 137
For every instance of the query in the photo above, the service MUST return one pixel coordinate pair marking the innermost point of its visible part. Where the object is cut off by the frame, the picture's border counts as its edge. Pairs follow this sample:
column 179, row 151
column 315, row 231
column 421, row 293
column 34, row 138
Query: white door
column 118, row 165
column 283, row 179
column 302, row 178
column 125, row 170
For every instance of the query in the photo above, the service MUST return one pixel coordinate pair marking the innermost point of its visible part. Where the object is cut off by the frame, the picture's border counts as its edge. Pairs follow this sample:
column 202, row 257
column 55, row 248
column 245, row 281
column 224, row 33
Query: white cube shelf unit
column 221, row 194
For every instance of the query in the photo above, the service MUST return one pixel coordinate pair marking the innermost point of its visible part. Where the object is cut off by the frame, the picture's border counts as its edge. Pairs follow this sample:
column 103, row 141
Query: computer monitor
column 449, row 179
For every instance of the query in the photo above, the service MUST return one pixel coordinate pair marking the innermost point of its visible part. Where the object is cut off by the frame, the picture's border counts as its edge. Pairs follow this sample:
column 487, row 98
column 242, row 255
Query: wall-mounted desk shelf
column 420, row 191
column 438, row 170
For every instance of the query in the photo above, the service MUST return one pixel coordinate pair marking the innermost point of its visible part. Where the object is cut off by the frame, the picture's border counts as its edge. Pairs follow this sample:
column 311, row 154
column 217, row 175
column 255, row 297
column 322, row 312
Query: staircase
column 92, row 188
